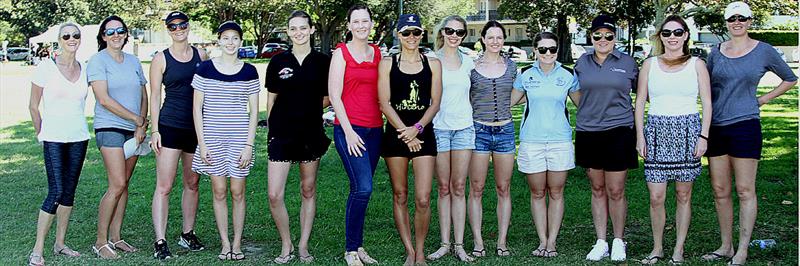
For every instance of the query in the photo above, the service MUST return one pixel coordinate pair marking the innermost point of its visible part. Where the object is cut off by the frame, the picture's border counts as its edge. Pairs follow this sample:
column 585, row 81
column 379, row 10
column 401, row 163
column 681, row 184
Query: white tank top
column 672, row 93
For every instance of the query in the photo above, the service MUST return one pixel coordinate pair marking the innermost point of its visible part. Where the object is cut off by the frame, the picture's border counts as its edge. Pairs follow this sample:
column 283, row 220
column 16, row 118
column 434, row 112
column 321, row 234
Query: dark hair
column 545, row 35
column 101, row 44
column 300, row 14
column 359, row 6
column 438, row 42
column 659, row 45
column 491, row 24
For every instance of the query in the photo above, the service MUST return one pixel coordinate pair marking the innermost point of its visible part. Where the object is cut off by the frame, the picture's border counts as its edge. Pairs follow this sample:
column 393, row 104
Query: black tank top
column 177, row 108
column 410, row 93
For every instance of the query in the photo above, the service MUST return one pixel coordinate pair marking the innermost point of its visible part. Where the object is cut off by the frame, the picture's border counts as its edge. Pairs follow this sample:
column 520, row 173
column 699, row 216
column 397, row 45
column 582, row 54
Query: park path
column 15, row 91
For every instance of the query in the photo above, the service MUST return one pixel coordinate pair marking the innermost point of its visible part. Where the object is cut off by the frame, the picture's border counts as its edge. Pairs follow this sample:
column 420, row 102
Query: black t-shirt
column 297, row 111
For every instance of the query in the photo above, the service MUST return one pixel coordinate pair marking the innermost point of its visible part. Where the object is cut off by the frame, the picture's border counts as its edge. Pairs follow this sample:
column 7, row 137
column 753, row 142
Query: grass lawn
column 23, row 185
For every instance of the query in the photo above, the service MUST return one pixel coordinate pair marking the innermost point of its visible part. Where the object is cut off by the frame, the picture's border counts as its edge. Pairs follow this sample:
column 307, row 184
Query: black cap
column 175, row 15
column 229, row 25
column 604, row 21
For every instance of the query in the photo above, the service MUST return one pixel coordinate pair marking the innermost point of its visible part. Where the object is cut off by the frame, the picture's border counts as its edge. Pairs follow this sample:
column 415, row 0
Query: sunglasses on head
column 415, row 32
column 458, row 32
column 76, row 36
column 739, row 18
column 543, row 50
column 120, row 31
column 677, row 32
column 178, row 26
column 596, row 36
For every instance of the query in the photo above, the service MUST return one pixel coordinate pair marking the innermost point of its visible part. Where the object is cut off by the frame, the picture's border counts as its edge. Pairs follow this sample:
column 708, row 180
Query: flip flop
column 479, row 253
column 675, row 262
column 307, row 259
column 551, row 253
column 284, row 259
column 649, row 260
column 714, row 256
column 237, row 256
column 224, row 256
column 539, row 252
column 503, row 252
column 66, row 251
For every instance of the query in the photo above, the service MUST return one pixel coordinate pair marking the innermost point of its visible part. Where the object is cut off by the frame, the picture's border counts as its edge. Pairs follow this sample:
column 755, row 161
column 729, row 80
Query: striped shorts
column 671, row 141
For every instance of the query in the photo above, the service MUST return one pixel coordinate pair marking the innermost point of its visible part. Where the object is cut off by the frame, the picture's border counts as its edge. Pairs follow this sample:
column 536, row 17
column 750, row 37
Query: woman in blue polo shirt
column 545, row 150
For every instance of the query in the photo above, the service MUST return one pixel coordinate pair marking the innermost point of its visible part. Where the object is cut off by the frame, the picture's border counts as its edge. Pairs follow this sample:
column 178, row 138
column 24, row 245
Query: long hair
column 359, row 6
column 101, row 44
column 489, row 25
column 659, row 45
column 438, row 41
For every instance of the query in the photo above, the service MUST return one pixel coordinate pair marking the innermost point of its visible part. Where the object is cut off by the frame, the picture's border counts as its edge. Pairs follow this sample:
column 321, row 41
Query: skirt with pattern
column 671, row 141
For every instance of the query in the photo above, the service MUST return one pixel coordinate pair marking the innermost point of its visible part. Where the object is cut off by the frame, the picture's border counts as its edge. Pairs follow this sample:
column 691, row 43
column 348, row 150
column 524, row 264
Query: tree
column 635, row 14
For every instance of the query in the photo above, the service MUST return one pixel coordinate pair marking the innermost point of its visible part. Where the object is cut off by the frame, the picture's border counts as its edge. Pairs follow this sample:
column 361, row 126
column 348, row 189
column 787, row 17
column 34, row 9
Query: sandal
column 479, row 253
column 539, row 252
column 444, row 248
column 503, row 252
column 127, row 248
column 306, row 259
column 461, row 254
column 35, row 260
column 714, row 256
column 650, row 260
column 106, row 246
column 550, row 253
column 237, row 256
column 66, row 251
column 675, row 262
column 224, row 256
column 284, row 259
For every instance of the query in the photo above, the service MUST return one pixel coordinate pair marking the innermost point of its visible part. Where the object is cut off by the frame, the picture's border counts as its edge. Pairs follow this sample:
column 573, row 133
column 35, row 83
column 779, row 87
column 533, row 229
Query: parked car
column 269, row 52
column 577, row 51
column 698, row 52
column 640, row 52
column 515, row 53
column 18, row 53
column 424, row 50
column 247, row 52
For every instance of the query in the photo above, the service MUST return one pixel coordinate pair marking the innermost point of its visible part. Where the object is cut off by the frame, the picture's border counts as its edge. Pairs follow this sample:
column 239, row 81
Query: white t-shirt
column 63, row 104
column 455, row 111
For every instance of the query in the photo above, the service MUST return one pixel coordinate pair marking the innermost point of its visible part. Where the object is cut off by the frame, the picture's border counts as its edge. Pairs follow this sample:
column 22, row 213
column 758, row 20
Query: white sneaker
column 618, row 250
column 599, row 251
column 351, row 258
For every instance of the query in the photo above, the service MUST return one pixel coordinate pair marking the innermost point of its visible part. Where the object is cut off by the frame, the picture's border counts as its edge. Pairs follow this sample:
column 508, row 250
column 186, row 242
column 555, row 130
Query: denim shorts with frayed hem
column 495, row 139
column 453, row 140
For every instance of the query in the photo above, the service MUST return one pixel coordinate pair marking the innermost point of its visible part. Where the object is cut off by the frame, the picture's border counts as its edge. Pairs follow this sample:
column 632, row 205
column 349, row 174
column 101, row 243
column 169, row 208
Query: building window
column 520, row 33
column 471, row 32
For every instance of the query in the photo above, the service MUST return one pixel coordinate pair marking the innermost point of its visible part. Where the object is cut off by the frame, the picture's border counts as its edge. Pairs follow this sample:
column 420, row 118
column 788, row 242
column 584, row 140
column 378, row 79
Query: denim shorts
column 112, row 137
column 453, row 140
column 495, row 139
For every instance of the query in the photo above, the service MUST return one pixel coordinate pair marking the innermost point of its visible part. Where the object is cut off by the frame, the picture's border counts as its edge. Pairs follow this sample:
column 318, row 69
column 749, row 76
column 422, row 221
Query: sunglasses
column 76, row 36
column 739, row 18
column 677, row 32
column 543, row 50
column 120, row 31
column 178, row 26
column 458, row 32
column 415, row 32
column 596, row 36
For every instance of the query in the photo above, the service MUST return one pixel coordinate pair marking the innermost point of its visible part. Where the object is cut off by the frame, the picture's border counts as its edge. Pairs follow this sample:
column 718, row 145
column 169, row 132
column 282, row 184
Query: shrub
column 775, row 38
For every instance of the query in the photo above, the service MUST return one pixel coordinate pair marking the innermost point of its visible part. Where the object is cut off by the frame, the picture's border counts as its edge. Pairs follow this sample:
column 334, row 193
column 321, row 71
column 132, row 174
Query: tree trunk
column 564, row 40
column 326, row 40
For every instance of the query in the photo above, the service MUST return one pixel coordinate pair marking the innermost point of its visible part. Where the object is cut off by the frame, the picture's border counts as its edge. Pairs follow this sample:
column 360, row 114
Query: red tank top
column 360, row 90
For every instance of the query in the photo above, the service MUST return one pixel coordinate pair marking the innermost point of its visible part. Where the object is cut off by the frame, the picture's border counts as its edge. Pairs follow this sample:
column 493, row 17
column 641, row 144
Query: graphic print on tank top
column 411, row 94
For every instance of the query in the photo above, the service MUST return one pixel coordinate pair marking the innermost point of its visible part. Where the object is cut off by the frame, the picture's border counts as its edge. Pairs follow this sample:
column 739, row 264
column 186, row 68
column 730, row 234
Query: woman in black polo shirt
column 297, row 85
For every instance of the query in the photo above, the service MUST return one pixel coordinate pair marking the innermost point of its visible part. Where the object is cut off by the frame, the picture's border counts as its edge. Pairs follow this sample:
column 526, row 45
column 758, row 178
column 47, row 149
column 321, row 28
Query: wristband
column 419, row 127
column 703, row 137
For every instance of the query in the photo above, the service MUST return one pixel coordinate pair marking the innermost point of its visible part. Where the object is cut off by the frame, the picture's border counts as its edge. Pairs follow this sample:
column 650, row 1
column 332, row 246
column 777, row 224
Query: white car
column 515, row 53
column 577, row 51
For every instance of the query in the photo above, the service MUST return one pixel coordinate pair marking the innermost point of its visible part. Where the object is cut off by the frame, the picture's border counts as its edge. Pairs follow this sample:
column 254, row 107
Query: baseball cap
column 738, row 8
column 175, row 15
column 131, row 148
column 229, row 25
column 408, row 21
column 604, row 21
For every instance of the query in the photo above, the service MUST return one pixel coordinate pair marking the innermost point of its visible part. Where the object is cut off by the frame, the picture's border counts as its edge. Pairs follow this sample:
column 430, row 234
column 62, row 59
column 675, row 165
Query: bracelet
column 703, row 137
column 419, row 127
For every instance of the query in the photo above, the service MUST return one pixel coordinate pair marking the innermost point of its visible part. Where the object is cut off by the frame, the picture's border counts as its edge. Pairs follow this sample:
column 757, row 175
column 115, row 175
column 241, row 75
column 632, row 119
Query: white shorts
column 540, row 157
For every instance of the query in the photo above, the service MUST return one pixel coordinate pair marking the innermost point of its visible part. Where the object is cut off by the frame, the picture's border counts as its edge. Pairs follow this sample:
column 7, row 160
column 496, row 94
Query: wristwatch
column 419, row 127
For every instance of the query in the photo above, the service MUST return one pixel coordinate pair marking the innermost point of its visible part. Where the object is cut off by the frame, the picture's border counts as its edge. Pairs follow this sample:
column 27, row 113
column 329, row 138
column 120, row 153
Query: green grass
column 23, row 185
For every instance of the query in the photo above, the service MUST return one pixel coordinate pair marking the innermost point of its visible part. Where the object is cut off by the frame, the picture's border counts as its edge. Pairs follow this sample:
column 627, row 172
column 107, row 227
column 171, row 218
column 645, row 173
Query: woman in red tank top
column 353, row 91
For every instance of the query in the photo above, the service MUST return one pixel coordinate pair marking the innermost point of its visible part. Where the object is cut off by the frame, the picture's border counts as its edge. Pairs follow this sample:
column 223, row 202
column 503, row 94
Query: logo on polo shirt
column 285, row 73
column 618, row 70
column 560, row 81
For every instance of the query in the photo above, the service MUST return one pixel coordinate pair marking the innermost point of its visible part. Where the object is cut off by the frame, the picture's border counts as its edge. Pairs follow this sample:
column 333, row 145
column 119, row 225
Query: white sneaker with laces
column 599, row 251
column 618, row 250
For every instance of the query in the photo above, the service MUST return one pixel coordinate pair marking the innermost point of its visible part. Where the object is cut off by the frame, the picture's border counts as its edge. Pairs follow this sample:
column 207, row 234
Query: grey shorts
column 111, row 137
column 452, row 140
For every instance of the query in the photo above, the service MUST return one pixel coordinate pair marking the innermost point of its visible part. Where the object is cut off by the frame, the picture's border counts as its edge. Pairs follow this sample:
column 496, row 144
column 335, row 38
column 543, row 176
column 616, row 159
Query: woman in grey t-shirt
column 734, row 141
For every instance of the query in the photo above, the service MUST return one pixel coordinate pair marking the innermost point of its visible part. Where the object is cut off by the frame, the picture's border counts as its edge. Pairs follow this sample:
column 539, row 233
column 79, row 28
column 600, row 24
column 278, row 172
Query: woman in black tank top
column 409, row 90
column 172, row 131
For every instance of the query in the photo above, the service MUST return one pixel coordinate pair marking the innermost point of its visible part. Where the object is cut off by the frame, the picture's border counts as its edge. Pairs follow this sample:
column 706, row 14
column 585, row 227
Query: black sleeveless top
column 410, row 93
column 177, row 108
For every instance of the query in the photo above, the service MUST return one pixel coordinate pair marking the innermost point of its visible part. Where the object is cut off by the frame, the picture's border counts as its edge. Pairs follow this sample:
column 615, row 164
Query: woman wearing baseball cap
column 734, row 140
column 605, row 140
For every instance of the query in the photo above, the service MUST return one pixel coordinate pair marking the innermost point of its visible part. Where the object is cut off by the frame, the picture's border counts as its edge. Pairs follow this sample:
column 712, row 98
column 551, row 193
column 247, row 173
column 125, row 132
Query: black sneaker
column 190, row 241
column 161, row 250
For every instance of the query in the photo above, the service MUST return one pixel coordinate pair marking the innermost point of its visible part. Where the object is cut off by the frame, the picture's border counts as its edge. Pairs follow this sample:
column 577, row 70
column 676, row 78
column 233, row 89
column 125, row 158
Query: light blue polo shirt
column 546, row 118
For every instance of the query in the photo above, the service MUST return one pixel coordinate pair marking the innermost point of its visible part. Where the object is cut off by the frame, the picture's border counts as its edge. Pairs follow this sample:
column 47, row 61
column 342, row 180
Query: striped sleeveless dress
column 225, row 118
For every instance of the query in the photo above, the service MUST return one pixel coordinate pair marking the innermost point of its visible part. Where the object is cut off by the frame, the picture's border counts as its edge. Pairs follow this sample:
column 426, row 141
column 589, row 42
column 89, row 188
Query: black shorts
column 297, row 149
column 391, row 146
column 741, row 140
column 610, row 150
column 178, row 138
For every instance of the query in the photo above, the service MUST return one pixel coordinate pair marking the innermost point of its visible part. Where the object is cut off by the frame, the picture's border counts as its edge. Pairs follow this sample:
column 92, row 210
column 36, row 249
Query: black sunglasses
column 76, row 36
column 596, row 36
column 740, row 18
column 120, row 31
column 677, row 32
column 178, row 26
column 458, row 32
column 415, row 32
column 543, row 50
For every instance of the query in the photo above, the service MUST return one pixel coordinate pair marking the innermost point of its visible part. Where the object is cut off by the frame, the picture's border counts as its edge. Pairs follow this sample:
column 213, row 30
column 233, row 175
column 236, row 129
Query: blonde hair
column 67, row 24
column 438, row 42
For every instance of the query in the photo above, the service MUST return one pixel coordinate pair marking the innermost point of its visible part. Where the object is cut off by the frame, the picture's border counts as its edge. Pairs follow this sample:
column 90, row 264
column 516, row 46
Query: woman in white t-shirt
column 60, row 86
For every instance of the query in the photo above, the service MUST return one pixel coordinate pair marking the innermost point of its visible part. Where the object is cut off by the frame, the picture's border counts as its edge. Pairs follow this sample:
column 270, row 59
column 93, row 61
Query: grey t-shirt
column 125, row 81
column 605, row 91
column 734, row 82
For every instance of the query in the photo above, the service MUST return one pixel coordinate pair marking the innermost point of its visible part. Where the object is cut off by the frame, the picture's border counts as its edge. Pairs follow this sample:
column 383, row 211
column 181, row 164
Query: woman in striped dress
column 224, row 89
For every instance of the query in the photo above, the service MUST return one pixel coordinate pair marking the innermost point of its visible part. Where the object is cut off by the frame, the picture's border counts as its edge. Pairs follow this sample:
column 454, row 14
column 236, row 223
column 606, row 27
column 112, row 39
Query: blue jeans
column 63, row 163
column 360, row 171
